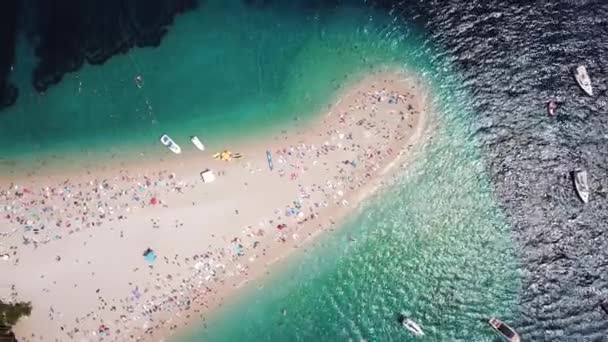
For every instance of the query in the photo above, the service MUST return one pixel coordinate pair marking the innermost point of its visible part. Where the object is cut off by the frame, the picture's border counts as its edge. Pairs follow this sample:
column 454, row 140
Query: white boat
column 507, row 333
column 170, row 144
column 410, row 325
column 582, row 186
column 197, row 143
column 583, row 80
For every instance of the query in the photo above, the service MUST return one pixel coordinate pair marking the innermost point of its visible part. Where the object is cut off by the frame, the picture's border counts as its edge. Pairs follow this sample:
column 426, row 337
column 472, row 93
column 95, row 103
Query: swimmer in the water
column 139, row 81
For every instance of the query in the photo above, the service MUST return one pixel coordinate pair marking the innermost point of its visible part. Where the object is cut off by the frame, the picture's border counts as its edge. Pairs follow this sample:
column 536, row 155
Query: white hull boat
column 410, row 325
column 195, row 140
column 507, row 333
column 583, row 80
column 170, row 144
column 413, row 327
column 582, row 185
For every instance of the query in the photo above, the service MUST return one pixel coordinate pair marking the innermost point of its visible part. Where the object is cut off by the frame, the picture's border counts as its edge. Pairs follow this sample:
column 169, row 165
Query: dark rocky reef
column 8, row 27
column 68, row 33
column 71, row 32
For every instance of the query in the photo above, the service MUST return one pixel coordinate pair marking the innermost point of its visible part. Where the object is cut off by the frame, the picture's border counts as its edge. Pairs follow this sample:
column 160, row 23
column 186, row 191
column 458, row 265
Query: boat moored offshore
column 583, row 79
column 507, row 333
column 582, row 185
column 411, row 325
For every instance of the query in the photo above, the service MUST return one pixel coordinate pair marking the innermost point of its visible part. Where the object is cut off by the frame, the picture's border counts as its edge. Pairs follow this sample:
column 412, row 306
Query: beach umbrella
column 153, row 201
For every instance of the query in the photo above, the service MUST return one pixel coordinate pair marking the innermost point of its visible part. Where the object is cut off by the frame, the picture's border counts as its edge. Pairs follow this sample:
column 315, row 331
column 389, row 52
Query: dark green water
column 434, row 245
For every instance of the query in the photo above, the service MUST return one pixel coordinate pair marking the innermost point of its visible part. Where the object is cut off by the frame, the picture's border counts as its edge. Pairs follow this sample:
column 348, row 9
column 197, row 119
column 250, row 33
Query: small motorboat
column 583, row 80
column 582, row 185
column 195, row 140
column 410, row 325
column 552, row 108
column 504, row 330
column 170, row 144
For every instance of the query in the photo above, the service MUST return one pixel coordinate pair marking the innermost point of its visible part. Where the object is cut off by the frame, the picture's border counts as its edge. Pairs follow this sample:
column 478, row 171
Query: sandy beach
column 138, row 250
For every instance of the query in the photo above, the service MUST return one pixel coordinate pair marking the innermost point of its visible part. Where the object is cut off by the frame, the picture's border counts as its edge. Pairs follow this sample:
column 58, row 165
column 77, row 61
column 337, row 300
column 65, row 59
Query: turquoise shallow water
column 443, row 257
column 434, row 245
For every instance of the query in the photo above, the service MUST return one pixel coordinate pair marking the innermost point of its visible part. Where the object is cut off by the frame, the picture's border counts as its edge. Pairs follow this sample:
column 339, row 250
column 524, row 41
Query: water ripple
column 514, row 57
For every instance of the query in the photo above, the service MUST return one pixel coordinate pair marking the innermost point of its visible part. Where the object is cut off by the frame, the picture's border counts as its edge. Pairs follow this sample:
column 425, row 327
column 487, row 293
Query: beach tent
column 149, row 255
column 207, row 176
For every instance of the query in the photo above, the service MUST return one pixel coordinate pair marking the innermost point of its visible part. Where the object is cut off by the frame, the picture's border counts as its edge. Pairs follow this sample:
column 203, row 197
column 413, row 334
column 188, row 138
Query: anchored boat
column 410, row 325
column 197, row 143
column 170, row 144
column 583, row 80
column 582, row 185
column 507, row 333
